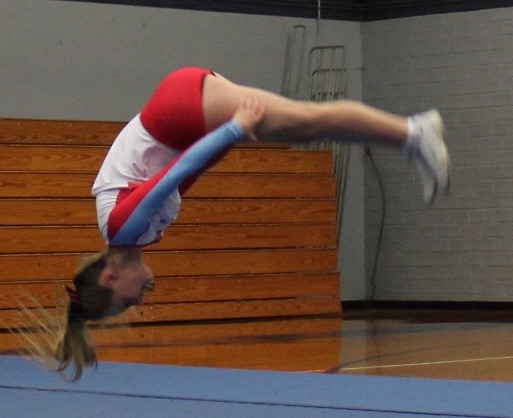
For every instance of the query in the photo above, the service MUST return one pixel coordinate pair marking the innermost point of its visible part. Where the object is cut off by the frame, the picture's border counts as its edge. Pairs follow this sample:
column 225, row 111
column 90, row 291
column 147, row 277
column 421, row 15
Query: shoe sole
column 447, row 162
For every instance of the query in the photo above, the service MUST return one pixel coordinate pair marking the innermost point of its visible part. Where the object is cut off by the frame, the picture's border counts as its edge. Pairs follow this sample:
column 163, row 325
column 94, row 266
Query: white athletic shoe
column 428, row 152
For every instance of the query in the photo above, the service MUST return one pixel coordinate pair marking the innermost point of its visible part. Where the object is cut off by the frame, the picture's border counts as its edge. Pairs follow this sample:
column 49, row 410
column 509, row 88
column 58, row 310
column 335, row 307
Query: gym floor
column 470, row 344
column 369, row 363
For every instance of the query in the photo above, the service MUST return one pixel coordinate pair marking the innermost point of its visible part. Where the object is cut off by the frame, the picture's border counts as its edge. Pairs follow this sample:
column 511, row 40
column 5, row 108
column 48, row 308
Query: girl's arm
column 130, row 217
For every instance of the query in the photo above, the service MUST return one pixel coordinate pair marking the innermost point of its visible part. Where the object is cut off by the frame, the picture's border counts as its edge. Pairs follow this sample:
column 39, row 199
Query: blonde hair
column 89, row 301
column 71, row 350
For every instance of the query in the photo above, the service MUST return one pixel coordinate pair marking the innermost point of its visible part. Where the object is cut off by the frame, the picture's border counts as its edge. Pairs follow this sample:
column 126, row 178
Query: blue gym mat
column 135, row 390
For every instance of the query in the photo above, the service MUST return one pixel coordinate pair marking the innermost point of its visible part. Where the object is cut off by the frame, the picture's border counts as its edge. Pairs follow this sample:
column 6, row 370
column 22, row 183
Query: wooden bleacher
column 256, row 237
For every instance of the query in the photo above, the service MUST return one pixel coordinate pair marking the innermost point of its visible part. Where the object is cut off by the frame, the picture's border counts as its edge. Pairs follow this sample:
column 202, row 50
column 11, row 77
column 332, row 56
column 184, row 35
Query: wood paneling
column 52, row 132
column 61, row 266
column 300, row 344
column 255, row 186
column 88, row 159
column 77, row 212
column 256, row 238
column 28, row 239
column 179, row 289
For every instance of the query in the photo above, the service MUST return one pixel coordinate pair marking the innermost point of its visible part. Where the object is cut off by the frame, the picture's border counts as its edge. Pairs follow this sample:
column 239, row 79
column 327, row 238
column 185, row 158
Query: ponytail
column 75, row 348
column 90, row 301
column 70, row 350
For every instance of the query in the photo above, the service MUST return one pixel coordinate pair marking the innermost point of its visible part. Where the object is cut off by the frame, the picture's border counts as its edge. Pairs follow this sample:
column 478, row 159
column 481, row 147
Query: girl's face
column 129, row 281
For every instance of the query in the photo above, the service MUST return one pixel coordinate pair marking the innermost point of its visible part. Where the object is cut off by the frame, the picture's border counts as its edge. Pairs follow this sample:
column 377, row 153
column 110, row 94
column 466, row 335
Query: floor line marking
column 426, row 363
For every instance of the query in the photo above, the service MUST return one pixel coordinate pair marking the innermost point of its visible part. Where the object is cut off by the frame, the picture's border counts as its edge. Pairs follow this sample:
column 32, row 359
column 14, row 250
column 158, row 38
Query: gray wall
column 86, row 61
column 91, row 61
column 67, row 60
column 462, row 248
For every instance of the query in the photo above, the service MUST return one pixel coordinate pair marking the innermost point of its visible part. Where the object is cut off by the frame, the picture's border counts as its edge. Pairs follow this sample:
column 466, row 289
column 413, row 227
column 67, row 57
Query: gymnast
column 192, row 119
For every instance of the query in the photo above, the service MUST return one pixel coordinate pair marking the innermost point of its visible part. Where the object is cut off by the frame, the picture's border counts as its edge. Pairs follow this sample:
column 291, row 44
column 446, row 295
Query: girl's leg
column 421, row 137
column 288, row 120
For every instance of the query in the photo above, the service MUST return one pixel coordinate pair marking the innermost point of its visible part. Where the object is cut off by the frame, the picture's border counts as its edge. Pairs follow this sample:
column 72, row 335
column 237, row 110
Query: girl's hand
column 249, row 114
